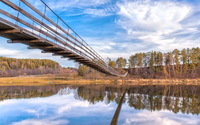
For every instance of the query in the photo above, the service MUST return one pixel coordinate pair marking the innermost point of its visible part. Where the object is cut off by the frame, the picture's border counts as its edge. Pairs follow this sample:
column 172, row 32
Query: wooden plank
column 56, row 52
column 10, row 31
column 80, row 61
column 14, row 26
column 25, row 41
column 72, row 55
column 43, row 47
column 83, row 59
column 62, row 52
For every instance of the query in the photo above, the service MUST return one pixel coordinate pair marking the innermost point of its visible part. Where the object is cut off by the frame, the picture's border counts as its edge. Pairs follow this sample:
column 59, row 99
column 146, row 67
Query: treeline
column 153, row 98
column 183, row 63
column 16, row 67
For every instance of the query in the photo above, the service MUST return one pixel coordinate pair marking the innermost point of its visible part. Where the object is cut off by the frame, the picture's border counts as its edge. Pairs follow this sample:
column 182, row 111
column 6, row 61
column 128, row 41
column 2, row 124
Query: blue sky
column 65, row 108
column 116, row 28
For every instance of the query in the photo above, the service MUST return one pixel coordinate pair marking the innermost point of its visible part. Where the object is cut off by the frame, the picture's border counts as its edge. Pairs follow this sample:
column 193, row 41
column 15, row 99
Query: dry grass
column 45, row 80
column 162, row 82
column 50, row 79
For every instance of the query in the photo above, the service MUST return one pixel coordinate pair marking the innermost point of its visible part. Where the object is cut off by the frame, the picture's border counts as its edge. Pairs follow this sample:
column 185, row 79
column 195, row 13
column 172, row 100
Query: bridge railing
column 51, row 31
column 75, row 37
column 42, row 20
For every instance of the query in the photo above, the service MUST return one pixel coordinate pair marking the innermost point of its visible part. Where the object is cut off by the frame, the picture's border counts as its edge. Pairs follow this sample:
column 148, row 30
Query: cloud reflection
column 41, row 122
column 162, row 117
column 67, row 108
column 54, row 110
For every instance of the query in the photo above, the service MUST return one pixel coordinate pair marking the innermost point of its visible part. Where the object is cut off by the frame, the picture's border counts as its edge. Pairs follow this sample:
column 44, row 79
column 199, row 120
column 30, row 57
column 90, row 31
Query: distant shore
column 50, row 80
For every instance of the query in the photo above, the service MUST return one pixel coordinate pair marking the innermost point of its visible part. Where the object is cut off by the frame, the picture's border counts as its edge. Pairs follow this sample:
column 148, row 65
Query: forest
column 183, row 63
column 16, row 67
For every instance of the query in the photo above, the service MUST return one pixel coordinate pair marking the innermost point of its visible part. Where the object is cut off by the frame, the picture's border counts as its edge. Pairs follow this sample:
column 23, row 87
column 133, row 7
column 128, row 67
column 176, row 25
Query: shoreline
column 51, row 80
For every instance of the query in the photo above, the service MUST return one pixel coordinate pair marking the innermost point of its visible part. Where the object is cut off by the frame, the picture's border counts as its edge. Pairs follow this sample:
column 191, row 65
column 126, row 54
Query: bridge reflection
column 117, row 112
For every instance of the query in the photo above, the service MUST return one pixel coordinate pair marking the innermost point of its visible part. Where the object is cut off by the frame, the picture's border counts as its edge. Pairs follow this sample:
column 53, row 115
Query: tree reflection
column 185, row 98
column 9, row 92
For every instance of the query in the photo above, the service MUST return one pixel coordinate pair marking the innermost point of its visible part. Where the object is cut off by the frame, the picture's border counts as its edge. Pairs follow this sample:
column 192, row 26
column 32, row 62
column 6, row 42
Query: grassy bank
column 45, row 80
column 51, row 79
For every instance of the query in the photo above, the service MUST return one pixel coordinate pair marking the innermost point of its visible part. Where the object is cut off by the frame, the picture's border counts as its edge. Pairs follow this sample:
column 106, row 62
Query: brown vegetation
column 178, row 64
column 53, row 79
column 183, row 63
column 11, row 67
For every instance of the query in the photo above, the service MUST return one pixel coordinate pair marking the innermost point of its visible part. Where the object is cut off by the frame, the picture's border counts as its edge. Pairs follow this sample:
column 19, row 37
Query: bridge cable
column 19, row 5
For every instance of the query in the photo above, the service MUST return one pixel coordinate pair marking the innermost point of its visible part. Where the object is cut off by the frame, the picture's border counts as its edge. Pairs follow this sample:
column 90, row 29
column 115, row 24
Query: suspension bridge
column 41, row 28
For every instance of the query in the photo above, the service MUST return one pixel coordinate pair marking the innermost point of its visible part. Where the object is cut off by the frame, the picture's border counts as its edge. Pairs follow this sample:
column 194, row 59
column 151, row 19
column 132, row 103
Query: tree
column 83, row 70
column 140, row 59
column 176, row 53
column 111, row 63
column 133, row 61
column 152, row 60
column 184, row 60
column 121, row 62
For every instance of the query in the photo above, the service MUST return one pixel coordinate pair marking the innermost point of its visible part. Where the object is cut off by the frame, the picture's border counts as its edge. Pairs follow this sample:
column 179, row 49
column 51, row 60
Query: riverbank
column 51, row 79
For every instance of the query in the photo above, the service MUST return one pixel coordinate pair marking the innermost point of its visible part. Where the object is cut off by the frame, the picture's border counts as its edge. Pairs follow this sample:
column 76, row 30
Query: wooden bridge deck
column 19, row 34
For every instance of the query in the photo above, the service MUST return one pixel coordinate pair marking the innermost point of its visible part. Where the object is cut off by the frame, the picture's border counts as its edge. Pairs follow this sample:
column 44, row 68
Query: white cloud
column 156, row 22
column 8, row 102
column 65, row 4
column 91, row 7
column 157, row 17
column 41, row 122
column 52, row 110
column 112, row 49
column 158, row 118
column 106, row 10
column 96, row 12
column 8, row 52
column 69, row 107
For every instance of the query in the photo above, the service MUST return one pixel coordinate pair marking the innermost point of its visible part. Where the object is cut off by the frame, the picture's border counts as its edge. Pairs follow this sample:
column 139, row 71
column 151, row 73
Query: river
column 100, row 105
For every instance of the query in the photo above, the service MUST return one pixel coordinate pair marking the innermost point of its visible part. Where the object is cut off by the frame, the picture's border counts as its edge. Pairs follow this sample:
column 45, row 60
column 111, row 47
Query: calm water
column 97, row 104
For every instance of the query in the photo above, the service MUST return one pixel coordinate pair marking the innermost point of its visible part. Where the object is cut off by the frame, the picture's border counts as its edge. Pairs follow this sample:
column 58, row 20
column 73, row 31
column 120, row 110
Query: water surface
column 97, row 104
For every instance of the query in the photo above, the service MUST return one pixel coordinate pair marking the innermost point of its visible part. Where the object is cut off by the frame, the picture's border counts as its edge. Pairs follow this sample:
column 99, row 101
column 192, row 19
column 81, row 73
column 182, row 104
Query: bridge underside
column 39, row 31
column 17, row 34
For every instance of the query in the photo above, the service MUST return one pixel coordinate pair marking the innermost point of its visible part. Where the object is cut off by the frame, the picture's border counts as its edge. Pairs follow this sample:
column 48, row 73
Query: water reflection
column 185, row 99
column 117, row 112
column 96, row 104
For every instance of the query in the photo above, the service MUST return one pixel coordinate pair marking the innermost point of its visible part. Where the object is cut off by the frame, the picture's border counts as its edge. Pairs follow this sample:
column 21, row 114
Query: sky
column 64, row 109
column 120, row 28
